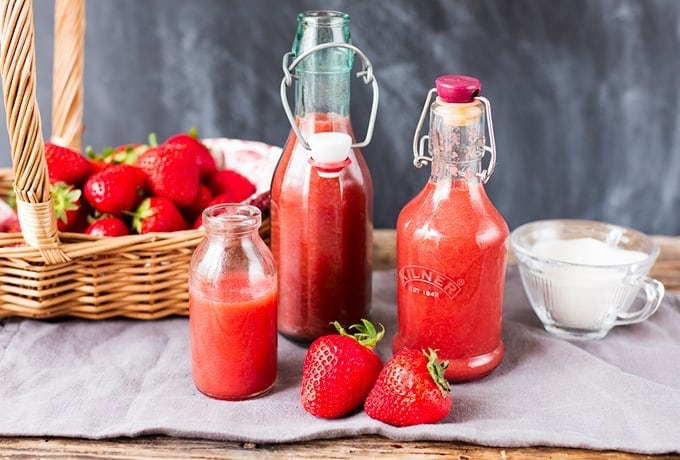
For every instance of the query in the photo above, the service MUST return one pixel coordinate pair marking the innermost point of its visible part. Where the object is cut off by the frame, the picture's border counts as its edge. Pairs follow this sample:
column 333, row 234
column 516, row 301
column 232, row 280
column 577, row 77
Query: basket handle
column 67, row 73
column 31, row 182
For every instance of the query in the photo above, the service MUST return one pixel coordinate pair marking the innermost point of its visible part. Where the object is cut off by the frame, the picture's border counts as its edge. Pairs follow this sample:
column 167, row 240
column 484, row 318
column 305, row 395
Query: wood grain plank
column 161, row 447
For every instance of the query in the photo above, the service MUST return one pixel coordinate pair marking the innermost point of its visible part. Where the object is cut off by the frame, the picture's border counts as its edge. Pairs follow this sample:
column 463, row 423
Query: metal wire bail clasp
column 420, row 157
column 366, row 73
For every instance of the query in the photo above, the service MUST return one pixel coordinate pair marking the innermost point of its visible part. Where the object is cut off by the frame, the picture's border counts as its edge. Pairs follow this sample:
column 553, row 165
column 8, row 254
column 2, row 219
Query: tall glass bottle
column 451, row 240
column 322, row 205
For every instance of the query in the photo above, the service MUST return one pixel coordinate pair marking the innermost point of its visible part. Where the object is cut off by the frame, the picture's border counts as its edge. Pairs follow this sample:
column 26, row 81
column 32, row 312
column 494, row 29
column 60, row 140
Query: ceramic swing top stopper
column 457, row 88
column 329, row 152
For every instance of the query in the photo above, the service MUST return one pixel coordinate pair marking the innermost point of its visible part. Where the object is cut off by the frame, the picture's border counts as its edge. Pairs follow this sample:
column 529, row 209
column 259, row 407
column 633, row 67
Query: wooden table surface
column 667, row 269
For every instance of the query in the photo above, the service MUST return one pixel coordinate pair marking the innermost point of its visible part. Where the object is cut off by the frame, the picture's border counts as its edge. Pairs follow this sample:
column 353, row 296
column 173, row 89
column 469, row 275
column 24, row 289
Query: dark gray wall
column 585, row 92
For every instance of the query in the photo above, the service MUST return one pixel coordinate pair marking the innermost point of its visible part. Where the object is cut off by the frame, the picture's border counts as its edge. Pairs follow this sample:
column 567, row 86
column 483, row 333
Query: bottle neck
column 231, row 221
column 456, row 141
column 323, row 77
column 325, row 92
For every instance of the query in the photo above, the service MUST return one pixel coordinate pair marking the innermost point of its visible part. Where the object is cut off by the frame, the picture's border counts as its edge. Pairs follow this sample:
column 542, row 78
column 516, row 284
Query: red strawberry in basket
column 66, row 204
column 230, row 182
column 202, row 201
column 65, row 165
column 158, row 214
column 116, row 189
column 172, row 173
column 411, row 389
column 108, row 226
column 126, row 153
column 196, row 148
column 339, row 370
column 262, row 202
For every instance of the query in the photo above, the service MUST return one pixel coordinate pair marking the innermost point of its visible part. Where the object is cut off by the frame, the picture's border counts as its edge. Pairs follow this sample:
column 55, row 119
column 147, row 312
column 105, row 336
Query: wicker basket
column 44, row 273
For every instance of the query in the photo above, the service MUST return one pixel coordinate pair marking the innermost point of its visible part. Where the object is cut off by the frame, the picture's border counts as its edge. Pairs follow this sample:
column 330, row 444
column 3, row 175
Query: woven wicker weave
column 43, row 273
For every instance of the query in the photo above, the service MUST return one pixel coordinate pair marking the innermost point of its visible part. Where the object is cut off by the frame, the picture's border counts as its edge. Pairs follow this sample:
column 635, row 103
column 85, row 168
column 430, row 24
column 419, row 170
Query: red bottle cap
column 457, row 88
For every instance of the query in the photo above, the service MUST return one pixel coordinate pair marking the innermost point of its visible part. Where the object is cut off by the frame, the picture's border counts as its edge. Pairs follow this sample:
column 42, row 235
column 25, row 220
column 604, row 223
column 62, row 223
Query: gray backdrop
column 585, row 92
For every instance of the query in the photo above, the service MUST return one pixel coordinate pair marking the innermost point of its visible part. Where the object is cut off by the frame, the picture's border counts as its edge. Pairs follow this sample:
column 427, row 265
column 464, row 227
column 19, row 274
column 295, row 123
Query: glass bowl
column 583, row 277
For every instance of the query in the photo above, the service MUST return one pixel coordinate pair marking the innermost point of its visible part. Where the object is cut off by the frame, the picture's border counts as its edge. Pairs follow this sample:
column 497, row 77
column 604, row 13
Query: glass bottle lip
column 232, row 218
column 323, row 18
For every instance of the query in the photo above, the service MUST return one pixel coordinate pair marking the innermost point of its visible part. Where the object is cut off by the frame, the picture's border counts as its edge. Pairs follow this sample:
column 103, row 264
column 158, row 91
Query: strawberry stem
column 366, row 333
column 436, row 369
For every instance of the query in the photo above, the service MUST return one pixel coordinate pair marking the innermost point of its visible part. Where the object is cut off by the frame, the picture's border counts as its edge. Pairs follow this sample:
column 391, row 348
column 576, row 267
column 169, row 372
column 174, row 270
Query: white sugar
column 587, row 251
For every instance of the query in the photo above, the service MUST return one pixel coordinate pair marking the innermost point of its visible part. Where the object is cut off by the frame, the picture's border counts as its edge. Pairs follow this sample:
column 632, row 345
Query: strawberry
column 410, row 389
column 65, row 165
column 202, row 201
column 339, row 370
column 201, row 153
column 12, row 224
column 66, row 204
column 262, row 202
column 158, row 214
column 116, row 189
column 172, row 173
column 108, row 226
column 219, row 199
column 126, row 153
column 231, row 182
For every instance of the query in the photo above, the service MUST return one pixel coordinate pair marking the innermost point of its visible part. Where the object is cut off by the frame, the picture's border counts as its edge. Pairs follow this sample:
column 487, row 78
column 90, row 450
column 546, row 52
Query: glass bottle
column 232, row 306
column 451, row 241
column 322, row 193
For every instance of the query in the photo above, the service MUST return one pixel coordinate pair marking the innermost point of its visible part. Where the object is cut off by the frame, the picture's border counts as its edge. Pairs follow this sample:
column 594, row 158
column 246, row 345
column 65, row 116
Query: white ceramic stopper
column 329, row 151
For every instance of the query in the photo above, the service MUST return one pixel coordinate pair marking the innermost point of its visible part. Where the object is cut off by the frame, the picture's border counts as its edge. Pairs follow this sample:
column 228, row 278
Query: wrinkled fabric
column 118, row 377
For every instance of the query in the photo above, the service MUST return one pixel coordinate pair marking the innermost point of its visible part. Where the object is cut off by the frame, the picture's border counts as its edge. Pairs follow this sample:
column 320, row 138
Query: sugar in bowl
column 584, row 277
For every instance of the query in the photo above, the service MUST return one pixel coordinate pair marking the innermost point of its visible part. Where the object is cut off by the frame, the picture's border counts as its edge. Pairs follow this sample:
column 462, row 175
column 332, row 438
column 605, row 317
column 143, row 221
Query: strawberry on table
column 229, row 181
column 66, row 204
column 172, row 173
column 411, row 389
column 158, row 214
column 116, row 189
column 339, row 370
column 65, row 165
column 108, row 226
column 198, row 150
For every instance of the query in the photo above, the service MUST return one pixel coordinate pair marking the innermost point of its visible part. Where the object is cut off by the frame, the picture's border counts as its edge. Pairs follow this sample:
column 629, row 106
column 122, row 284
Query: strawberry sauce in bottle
column 451, row 241
column 232, row 306
column 322, row 193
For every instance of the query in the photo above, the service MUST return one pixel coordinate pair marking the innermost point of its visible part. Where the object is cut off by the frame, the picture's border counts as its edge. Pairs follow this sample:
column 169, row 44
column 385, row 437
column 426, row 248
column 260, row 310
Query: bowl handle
column 654, row 291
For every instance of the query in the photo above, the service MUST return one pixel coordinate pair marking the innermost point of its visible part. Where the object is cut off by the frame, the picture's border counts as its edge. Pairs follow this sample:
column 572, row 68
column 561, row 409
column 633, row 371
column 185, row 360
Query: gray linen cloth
column 128, row 378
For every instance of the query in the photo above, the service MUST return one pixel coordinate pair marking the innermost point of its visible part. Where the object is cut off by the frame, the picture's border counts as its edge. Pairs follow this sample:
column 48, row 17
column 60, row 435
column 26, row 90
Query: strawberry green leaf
column 366, row 333
column 436, row 369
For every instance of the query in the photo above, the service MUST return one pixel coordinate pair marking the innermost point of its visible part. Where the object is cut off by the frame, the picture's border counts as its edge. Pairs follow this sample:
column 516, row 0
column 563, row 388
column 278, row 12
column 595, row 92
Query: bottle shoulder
column 441, row 211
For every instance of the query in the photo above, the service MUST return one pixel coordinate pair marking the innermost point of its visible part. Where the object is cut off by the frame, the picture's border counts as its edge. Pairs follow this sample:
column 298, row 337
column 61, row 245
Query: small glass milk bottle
column 451, row 241
column 232, row 306
column 322, row 193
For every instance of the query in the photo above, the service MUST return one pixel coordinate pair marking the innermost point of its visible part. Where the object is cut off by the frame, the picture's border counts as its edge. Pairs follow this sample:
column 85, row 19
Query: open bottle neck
column 323, row 77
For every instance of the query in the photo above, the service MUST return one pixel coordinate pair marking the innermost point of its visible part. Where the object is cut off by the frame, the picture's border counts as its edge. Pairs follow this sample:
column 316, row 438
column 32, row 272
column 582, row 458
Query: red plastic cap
column 457, row 88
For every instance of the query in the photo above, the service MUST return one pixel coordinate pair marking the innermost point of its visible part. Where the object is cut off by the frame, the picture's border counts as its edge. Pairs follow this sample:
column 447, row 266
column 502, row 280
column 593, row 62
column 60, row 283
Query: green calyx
column 142, row 212
column 436, row 369
column 126, row 155
column 365, row 333
column 64, row 198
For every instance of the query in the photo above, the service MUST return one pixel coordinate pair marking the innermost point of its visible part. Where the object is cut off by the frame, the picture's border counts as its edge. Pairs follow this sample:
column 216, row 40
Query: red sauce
column 321, row 237
column 233, row 338
column 451, row 255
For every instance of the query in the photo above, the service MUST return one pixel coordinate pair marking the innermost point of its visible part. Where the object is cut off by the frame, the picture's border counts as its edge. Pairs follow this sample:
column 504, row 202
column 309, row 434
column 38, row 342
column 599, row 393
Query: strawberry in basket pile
column 138, row 188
